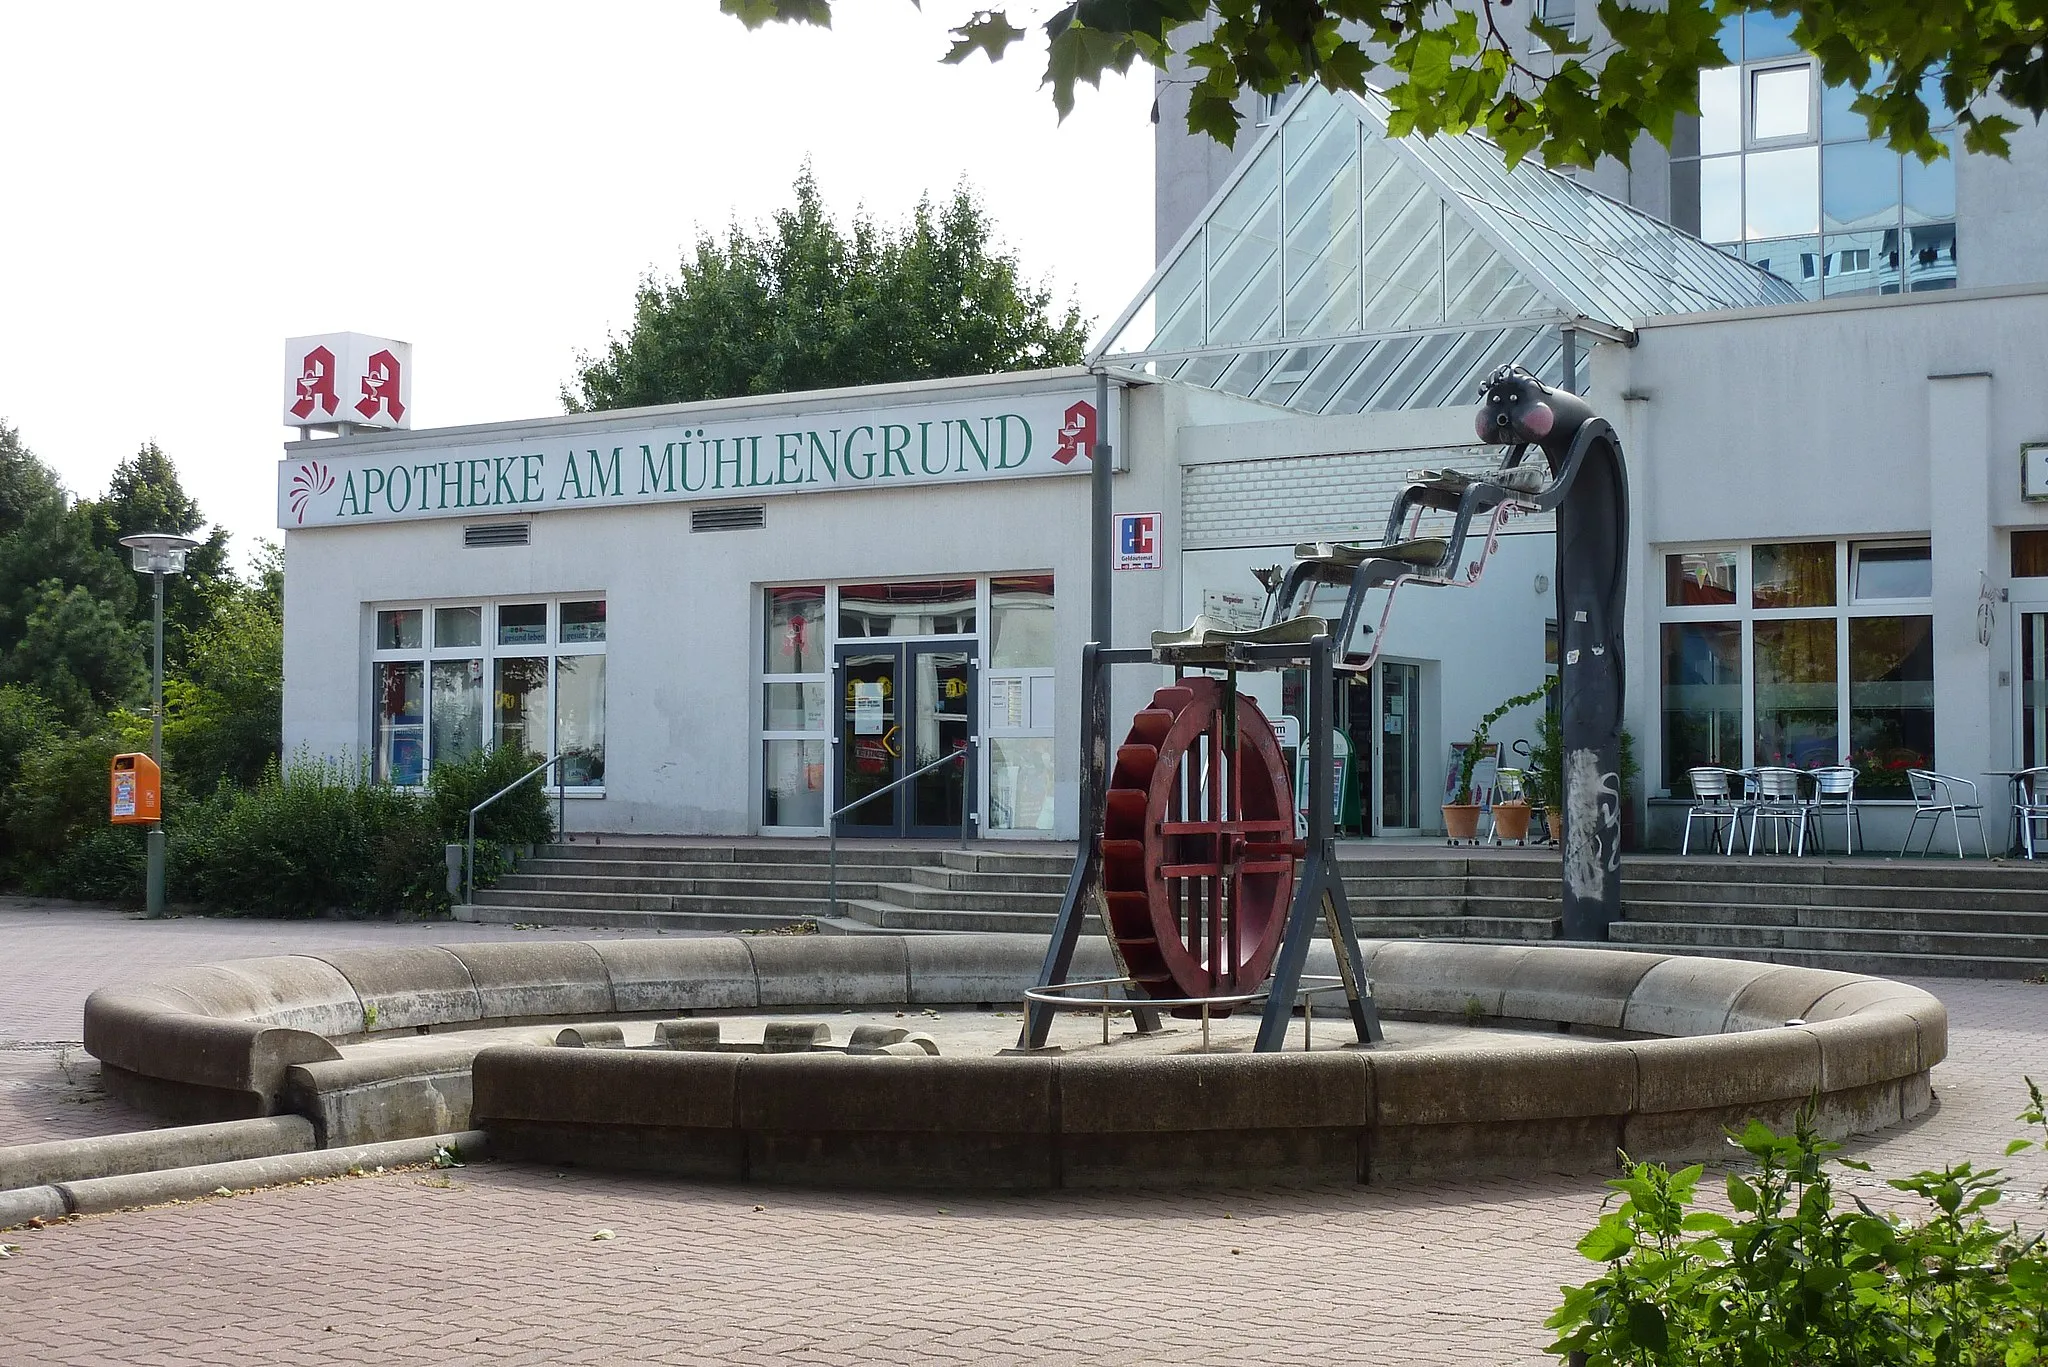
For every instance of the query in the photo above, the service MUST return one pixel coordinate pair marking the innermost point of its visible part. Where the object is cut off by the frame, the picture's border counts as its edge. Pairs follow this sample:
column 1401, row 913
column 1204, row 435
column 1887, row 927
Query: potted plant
column 1461, row 813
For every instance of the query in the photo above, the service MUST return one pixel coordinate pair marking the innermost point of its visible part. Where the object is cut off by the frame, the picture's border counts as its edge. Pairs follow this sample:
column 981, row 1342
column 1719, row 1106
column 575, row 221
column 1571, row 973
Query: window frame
column 489, row 652
column 1746, row 615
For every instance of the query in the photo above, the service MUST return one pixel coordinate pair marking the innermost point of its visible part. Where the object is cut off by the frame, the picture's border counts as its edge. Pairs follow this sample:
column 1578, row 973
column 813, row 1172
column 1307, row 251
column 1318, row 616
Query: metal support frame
column 1319, row 889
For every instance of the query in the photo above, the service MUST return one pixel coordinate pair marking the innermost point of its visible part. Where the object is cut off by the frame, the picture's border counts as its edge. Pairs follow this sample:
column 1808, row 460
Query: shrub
column 1792, row 1279
column 523, row 816
column 57, row 827
column 314, row 837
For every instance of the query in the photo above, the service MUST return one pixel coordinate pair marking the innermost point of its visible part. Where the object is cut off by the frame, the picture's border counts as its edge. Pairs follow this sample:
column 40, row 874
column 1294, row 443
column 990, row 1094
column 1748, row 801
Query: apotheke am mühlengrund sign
column 1005, row 437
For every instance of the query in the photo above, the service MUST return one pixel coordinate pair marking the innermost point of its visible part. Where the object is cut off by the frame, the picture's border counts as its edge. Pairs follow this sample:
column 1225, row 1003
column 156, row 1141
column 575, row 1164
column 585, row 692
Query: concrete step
column 1708, row 936
column 1355, row 886
column 760, row 873
column 765, row 852
column 1784, row 869
column 523, row 883
column 695, row 920
column 1945, row 897
column 887, row 915
column 920, row 898
column 1453, row 928
column 1881, row 963
column 989, row 883
column 542, row 907
column 1892, row 919
column 1004, row 861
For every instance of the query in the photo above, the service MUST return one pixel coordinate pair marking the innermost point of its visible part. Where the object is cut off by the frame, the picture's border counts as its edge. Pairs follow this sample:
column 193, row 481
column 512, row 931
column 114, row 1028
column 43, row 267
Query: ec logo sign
column 1137, row 541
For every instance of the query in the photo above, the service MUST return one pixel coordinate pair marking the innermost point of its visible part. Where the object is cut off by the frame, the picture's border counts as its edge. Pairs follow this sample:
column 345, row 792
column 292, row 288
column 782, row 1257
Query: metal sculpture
column 1193, row 853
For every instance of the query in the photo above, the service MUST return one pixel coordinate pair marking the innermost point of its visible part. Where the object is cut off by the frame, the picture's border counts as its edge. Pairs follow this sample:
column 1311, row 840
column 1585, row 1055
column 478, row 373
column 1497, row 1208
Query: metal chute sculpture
column 1190, row 847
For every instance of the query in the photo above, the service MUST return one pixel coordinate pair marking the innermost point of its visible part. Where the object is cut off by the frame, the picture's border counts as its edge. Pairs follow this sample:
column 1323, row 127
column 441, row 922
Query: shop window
column 400, row 749
column 1702, row 698
column 1699, row 578
column 793, row 624
column 1797, row 710
column 940, row 608
column 582, row 623
column 467, row 688
column 2030, row 555
column 1020, row 622
column 796, row 696
column 1891, row 701
column 399, row 629
column 1781, row 103
column 1795, row 575
column 522, row 624
column 455, row 628
column 1889, row 573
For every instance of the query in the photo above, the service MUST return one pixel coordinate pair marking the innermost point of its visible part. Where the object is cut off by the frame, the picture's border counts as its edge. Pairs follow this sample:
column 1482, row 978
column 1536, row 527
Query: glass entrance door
column 2033, row 689
column 902, row 706
column 1400, row 748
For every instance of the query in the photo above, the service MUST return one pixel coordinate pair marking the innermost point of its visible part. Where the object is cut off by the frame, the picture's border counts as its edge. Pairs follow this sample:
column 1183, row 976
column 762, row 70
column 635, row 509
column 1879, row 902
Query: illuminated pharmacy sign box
column 1020, row 436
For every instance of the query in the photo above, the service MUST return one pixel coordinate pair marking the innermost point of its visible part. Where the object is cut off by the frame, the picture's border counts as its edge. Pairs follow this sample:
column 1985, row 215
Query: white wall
column 1853, row 418
column 682, row 702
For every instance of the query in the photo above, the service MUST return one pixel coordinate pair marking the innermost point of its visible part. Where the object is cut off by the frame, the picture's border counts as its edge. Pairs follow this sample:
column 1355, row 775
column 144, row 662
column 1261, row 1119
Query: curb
column 104, row 1195
column 184, row 1146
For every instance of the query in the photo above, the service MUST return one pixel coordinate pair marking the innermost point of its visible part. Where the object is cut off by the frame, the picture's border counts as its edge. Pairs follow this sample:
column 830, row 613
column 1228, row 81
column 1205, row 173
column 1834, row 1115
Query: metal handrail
column 561, row 820
column 832, row 818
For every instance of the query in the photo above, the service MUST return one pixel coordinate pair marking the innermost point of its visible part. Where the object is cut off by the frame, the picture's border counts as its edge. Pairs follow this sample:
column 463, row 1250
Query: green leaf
column 1431, row 65
column 1647, row 1328
column 1741, row 1194
column 1607, row 1241
column 990, row 31
column 2018, row 1146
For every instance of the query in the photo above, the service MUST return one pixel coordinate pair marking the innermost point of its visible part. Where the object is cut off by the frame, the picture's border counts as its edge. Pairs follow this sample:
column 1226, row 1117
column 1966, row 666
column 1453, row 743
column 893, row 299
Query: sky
column 182, row 187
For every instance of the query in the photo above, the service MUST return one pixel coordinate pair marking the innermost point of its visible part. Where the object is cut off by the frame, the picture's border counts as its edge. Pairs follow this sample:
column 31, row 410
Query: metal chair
column 2030, row 806
column 1942, row 795
column 1835, row 795
column 1508, row 786
column 1778, row 800
column 1713, row 801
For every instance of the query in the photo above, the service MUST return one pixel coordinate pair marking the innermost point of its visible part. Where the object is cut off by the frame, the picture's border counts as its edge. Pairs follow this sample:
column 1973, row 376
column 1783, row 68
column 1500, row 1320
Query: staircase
column 1886, row 916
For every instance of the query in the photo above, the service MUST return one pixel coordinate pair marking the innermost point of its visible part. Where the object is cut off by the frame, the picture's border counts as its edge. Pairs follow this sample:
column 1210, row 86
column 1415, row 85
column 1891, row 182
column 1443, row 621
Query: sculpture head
column 1516, row 407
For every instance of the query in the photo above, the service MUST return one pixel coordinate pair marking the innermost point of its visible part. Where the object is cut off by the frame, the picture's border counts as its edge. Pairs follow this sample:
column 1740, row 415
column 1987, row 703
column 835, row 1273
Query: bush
column 523, row 816
column 57, row 812
column 1794, row 1280
column 315, row 837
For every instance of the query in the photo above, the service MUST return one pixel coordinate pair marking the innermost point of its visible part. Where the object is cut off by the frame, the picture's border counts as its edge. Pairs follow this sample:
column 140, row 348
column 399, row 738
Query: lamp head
column 159, row 552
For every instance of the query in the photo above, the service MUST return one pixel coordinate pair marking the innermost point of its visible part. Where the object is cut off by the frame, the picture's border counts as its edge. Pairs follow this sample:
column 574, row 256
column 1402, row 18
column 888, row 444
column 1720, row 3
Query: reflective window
column 1931, row 258
column 458, row 627
column 1860, row 187
column 793, row 628
column 795, row 706
column 793, row 782
column 1886, row 573
column 579, row 719
column 1797, row 721
column 1699, row 578
column 940, row 608
column 1931, row 186
column 1796, row 259
column 1767, row 35
column 1781, row 103
column 522, row 624
column 400, row 754
column 1721, row 110
column 2030, row 555
column 1020, row 783
column 1702, row 697
column 1793, row 575
column 1781, row 192
column 458, row 708
column 1020, row 611
column 399, row 629
column 582, row 623
column 1838, row 122
column 1721, row 199
column 1861, row 263
column 1243, row 236
column 1891, row 701
column 520, row 705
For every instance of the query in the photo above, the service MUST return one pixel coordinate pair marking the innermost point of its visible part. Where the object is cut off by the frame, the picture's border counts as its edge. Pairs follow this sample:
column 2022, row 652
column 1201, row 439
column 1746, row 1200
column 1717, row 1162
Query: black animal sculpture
column 1519, row 410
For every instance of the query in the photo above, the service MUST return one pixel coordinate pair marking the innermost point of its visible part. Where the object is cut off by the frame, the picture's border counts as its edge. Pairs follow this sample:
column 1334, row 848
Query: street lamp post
column 157, row 554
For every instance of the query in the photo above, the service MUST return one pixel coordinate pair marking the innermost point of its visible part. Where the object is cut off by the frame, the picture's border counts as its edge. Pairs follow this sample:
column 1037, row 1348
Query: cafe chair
column 1834, row 794
column 1713, row 801
column 2030, row 808
column 1778, row 801
column 1941, row 795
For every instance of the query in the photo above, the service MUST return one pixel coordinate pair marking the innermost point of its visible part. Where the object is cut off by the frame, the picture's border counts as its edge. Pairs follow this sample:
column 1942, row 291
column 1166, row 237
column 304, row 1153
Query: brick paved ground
column 498, row 1265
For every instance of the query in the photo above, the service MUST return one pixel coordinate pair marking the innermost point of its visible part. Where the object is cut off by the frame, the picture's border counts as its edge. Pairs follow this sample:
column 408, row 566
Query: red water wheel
column 1198, row 844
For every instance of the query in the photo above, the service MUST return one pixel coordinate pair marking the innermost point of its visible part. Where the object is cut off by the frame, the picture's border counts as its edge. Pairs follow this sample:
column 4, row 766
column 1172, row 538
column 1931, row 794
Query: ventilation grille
column 739, row 518
column 497, row 534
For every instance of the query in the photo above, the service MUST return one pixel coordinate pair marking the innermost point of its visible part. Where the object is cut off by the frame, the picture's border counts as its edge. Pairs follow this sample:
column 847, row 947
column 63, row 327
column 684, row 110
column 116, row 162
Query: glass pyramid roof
column 1341, row 270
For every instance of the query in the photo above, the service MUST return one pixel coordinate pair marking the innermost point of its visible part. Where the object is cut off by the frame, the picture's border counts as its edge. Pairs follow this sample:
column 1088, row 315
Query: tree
column 77, row 651
column 144, row 495
column 805, row 304
column 45, row 538
column 1456, row 70
column 225, row 716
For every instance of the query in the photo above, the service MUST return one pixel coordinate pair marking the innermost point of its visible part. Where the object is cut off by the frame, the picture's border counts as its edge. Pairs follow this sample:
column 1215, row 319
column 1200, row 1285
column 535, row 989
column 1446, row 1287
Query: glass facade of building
column 1781, row 171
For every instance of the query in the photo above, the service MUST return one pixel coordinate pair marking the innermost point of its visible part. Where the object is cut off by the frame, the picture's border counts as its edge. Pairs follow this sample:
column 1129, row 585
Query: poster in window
column 867, row 709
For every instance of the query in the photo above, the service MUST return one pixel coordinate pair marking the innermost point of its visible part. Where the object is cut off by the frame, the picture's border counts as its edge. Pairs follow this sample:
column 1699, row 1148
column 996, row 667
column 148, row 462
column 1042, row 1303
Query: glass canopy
column 1341, row 270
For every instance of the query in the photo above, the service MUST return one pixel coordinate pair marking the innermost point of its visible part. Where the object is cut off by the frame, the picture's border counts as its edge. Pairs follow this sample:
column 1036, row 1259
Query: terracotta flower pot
column 1555, row 820
column 1461, row 821
column 1511, row 820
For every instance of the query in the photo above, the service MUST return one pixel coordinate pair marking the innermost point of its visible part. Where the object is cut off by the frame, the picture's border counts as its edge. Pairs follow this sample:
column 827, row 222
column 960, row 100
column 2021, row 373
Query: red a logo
column 316, row 384
column 1077, row 434
column 380, row 388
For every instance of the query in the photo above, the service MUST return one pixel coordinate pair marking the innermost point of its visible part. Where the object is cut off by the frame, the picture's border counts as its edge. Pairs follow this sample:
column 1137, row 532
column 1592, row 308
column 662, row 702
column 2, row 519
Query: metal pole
column 1098, row 490
column 153, row 842
column 1571, row 360
column 966, row 784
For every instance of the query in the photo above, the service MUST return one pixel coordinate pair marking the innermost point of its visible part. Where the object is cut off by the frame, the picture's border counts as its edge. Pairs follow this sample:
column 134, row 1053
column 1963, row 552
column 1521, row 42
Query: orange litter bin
column 136, row 798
